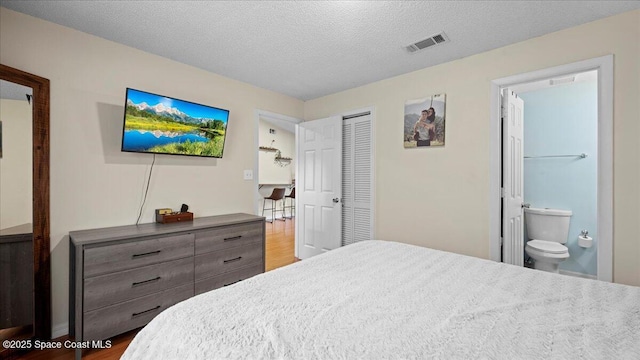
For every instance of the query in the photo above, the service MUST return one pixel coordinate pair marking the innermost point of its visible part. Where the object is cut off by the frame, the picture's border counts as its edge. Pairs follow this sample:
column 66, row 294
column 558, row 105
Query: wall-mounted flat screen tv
column 163, row 125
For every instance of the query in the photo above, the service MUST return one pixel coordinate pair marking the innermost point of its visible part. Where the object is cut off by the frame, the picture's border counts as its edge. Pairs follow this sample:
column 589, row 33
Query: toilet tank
column 547, row 224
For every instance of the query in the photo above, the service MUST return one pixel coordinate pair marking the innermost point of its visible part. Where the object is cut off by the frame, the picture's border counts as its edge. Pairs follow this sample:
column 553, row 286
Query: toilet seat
column 548, row 247
column 547, row 255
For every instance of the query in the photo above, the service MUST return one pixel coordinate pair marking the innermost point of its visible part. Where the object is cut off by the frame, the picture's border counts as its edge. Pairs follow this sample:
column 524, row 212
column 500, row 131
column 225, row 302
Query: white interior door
column 512, row 174
column 318, row 186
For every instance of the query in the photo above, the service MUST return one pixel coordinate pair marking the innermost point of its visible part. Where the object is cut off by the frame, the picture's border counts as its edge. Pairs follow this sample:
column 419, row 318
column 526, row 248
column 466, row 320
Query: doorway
column 276, row 170
column 602, row 69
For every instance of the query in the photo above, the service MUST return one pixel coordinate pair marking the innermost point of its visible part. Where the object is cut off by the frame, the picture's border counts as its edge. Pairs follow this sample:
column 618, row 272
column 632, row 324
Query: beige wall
column 15, row 164
column 454, row 179
column 93, row 184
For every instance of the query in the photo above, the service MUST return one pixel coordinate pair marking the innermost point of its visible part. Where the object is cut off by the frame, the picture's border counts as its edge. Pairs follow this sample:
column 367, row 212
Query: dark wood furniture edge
column 87, row 237
column 41, row 227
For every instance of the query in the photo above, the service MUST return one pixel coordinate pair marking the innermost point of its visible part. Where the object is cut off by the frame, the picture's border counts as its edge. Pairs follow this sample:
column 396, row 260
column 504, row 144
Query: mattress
column 387, row 300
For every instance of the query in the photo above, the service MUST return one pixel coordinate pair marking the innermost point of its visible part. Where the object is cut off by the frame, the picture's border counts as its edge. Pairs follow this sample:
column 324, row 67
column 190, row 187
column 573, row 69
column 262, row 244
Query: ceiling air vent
column 428, row 42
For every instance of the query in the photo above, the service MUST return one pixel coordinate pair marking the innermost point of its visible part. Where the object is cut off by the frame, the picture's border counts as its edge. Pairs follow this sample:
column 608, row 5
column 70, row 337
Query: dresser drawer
column 229, row 236
column 104, row 290
column 112, row 320
column 219, row 262
column 123, row 256
column 228, row 278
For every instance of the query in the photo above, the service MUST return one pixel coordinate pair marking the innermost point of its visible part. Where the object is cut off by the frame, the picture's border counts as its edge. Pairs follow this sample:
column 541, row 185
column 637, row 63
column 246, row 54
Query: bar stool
column 292, row 202
column 276, row 195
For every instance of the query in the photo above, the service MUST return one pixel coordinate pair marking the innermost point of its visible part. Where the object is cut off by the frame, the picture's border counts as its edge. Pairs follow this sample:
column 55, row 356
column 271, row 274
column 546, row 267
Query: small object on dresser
column 184, row 208
column 163, row 211
column 174, row 217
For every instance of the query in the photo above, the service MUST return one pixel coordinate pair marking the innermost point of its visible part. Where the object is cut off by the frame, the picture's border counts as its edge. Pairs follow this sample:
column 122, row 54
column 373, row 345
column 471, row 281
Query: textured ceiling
column 307, row 49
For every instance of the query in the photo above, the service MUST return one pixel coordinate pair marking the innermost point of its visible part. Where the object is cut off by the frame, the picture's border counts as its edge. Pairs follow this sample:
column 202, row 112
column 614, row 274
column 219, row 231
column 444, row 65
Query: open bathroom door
column 512, row 174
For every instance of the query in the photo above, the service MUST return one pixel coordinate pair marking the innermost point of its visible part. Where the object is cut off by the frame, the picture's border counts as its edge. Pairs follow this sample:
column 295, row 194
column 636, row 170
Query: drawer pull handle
column 135, row 256
column 144, row 312
column 233, row 238
column 232, row 260
column 231, row 283
column 145, row 282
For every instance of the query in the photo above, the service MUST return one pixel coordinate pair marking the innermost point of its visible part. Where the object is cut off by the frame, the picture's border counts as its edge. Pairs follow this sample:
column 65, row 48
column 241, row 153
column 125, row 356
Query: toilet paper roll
column 585, row 241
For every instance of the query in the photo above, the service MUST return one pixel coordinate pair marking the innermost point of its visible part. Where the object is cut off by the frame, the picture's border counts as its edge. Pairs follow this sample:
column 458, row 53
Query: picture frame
column 424, row 122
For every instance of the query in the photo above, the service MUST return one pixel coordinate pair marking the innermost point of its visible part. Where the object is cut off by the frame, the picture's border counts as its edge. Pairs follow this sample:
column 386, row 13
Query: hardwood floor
column 279, row 252
column 118, row 346
column 280, row 243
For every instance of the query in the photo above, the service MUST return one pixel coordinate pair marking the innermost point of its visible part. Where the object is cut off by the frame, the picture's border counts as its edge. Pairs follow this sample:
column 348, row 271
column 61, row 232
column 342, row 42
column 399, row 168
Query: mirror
column 16, row 222
column 25, row 295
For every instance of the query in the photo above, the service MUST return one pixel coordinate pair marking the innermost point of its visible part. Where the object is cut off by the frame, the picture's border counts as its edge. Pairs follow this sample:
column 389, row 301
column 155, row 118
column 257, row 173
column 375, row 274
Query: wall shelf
column 278, row 159
column 267, row 149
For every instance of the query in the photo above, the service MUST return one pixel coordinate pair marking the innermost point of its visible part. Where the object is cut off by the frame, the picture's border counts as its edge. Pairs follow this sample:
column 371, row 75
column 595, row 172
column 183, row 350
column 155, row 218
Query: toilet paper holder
column 584, row 240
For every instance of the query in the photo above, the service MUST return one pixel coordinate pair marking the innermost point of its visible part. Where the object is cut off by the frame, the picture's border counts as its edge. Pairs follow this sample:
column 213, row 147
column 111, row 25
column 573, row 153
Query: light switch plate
column 248, row 174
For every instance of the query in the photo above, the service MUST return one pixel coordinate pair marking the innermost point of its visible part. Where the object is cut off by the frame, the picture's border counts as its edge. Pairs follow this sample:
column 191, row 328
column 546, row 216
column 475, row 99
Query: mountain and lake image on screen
column 164, row 125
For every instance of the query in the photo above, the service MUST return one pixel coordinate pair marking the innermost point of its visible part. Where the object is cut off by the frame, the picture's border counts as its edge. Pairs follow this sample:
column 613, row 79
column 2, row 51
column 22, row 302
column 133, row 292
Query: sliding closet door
column 357, row 179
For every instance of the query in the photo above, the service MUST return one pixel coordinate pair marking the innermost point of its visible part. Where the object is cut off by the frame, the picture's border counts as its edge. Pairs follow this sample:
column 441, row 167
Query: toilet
column 547, row 230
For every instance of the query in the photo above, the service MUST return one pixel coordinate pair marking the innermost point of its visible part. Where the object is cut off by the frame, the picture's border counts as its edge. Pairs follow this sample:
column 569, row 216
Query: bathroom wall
column 563, row 120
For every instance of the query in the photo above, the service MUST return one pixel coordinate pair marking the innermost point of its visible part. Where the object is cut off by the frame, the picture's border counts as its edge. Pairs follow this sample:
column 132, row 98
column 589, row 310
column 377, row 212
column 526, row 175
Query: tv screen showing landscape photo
column 164, row 125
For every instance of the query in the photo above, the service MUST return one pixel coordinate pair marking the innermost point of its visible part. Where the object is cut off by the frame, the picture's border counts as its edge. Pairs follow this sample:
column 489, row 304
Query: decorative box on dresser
column 122, row 277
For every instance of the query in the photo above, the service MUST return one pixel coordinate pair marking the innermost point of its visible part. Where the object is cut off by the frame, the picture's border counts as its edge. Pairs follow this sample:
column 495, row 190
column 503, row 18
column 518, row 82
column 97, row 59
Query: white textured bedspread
column 386, row 300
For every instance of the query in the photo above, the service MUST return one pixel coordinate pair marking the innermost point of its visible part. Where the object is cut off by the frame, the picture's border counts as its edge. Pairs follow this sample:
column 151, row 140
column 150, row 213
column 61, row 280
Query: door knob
column 336, row 200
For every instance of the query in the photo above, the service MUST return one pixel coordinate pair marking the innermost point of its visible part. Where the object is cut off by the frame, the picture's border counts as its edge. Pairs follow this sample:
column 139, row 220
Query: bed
column 387, row 300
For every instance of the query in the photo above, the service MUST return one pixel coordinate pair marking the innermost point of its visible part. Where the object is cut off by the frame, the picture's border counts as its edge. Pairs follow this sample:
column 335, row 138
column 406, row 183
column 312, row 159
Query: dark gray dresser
column 122, row 277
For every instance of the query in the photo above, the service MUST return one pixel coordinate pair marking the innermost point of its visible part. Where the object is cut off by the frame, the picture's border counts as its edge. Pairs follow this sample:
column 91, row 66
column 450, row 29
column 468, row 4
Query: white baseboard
column 576, row 274
column 59, row 330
